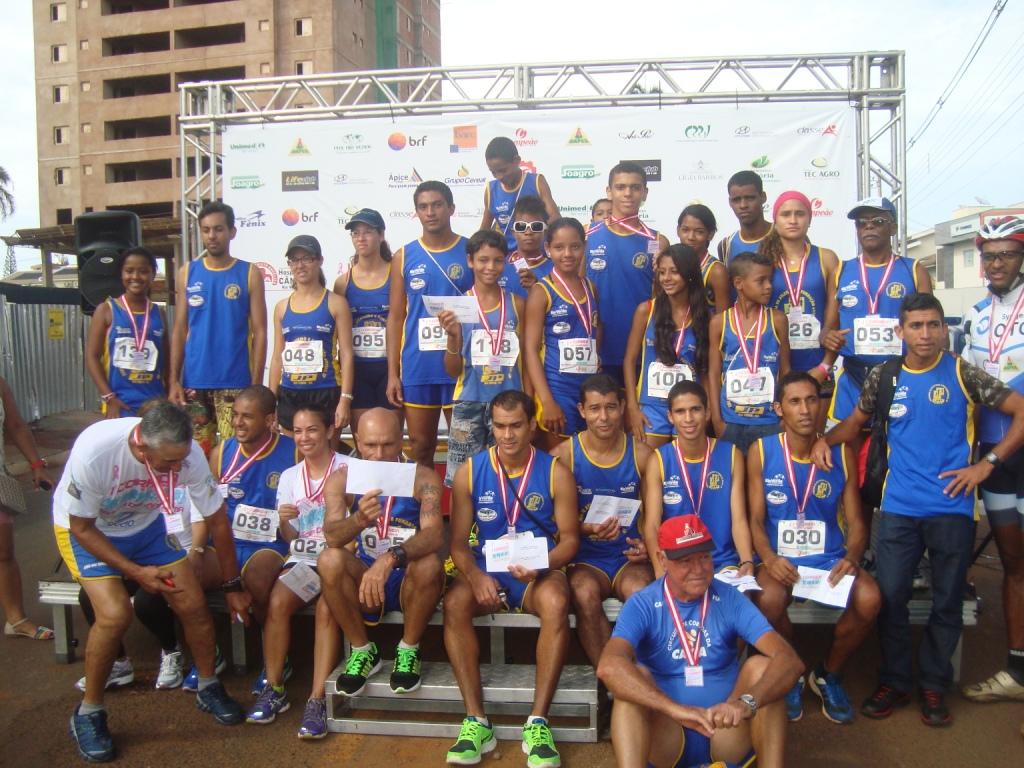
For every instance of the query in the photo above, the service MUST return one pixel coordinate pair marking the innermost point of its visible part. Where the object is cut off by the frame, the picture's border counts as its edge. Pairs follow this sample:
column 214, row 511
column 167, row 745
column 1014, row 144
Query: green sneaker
column 475, row 739
column 539, row 744
column 405, row 675
column 358, row 669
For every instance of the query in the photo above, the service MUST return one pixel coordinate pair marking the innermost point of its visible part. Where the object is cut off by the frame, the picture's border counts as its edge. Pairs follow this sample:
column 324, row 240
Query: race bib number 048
column 303, row 356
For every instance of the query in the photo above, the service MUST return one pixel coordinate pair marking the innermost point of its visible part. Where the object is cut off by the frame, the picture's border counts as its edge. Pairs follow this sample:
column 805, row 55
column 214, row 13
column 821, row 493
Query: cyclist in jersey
column 713, row 487
column 667, row 344
column 619, row 260
column 563, row 334
column 696, row 227
column 528, row 262
column 312, row 362
column 795, row 521
column 608, row 467
column 510, row 184
column 366, row 285
column 995, row 342
column 300, row 508
column 219, row 338
column 433, row 265
column 395, row 566
column 126, row 352
column 600, row 210
column 510, row 493
column 483, row 355
column 747, row 199
column 749, row 352
column 682, row 696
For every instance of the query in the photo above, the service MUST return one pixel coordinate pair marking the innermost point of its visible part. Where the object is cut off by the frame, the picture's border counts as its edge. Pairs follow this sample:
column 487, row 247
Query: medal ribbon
column 495, row 338
column 234, row 470
column 691, row 652
column 796, row 292
column 682, row 333
column 315, row 494
column 623, row 222
column 750, row 360
column 516, row 509
column 384, row 521
column 166, row 499
column 695, row 501
column 584, row 316
column 140, row 339
column 873, row 300
column 801, row 501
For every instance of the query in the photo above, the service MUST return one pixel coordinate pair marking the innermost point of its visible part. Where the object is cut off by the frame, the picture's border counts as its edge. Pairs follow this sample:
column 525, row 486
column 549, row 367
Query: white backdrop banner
column 310, row 177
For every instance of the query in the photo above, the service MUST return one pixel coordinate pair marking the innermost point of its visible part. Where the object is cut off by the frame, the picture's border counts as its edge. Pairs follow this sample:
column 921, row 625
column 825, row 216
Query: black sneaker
column 405, row 676
column 92, row 736
column 880, row 704
column 933, row 709
column 358, row 668
column 215, row 700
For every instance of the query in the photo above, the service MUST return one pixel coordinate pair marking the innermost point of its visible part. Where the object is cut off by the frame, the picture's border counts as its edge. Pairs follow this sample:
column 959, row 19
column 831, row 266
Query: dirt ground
column 163, row 728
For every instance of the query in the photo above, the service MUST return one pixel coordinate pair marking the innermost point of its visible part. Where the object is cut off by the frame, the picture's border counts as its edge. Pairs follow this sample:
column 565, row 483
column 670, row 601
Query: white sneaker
column 121, row 674
column 171, row 670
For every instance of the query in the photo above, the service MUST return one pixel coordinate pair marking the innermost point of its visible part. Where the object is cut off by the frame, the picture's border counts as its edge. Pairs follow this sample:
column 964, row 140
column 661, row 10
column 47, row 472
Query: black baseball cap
column 306, row 243
column 366, row 216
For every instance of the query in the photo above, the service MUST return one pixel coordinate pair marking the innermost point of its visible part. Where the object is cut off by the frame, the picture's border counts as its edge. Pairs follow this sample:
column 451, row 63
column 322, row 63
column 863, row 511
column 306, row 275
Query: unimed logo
column 300, row 181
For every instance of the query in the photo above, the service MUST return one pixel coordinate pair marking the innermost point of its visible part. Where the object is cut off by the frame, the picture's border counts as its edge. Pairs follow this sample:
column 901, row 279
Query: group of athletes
column 681, row 395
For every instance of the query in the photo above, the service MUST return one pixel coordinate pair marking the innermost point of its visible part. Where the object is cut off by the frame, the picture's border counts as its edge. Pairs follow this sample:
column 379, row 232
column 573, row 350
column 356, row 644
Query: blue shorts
column 567, row 401
column 392, row 596
column 428, row 395
column 611, row 567
column 515, row 590
column 658, row 416
column 146, row 547
column 244, row 550
column 370, row 385
column 744, row 435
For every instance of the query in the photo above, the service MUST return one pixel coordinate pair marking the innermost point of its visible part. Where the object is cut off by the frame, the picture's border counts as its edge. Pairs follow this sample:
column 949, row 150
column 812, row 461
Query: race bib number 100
column 661, row 378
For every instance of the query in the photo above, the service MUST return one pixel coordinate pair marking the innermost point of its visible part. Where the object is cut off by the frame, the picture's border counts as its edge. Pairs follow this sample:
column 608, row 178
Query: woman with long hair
column 696, row 227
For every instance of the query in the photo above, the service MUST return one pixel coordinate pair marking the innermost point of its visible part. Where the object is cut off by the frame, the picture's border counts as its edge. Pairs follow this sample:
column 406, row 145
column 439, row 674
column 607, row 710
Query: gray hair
column 164, row 423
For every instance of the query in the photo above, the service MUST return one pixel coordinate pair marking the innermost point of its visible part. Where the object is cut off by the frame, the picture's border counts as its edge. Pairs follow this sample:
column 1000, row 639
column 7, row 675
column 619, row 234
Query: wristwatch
column 750, row 701
column 992, row 459
column 232, row 585
column 399, row 553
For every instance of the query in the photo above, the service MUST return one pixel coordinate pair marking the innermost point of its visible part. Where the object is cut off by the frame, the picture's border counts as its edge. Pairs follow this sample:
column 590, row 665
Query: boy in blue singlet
column 747, row 199
column 482, row 356
column 749, row 353
column 510, row 183
column 529, row 262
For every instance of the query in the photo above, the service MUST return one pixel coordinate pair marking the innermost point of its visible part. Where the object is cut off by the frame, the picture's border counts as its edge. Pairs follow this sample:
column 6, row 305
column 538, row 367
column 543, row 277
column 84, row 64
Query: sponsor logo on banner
column 463, row 138
column 344, row 179
column 246, row 146
column 760, row 164
column 402, row 215
column 819, row 207
column 299, row 148
column 527, row 165
column 651, row 167
column 273, row 276
column 251, row 220
column 300, row 181
column 351, row 144
column 464, row 178
column 399, row 141
column 701, row 171
column 636, row 134
column 819, row 170
column 579, row 171
column 578, row 138
column 245, row 182
column 748, row 131
column 522, row 138
column 697, row 132
column 291, row 217
column 829, row 129
column 404, row 180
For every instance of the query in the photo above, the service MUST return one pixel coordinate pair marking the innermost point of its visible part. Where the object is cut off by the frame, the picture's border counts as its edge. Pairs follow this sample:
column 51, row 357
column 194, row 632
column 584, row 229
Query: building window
column 83, row 45
column 86, row 86
column 83, row 4
column 263, row 25
column 303, row 67
column 63, row 215
column 58, row 12
column 408, row 23
column 87, row 170
column 86, row 127
column 58, row 54
column 61, row 135
column 303, row 27
column 968, row 254
column 61, row 176
column 264, row 67
column 60, row 94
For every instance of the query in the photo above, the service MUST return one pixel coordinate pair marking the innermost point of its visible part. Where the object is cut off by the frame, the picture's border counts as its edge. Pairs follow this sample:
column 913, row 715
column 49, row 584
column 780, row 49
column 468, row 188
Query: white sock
column 407, row 646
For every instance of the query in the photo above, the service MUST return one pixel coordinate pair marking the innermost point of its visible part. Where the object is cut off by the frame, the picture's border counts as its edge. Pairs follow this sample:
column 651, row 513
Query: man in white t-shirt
column 118, row 512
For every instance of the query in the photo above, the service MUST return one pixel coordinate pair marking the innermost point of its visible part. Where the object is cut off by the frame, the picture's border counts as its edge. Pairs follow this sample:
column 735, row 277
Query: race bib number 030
column 303, row 356
column 577, row 356
column 432, row 337
column 874, row 335
column 254, row 523
column 745, row 388
column 128, row 358
column 370, row 342
column 661, row 378
column 801, row 539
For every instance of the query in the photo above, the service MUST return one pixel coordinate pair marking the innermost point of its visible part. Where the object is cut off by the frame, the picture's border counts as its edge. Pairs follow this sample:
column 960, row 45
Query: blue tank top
column 930, row 430
column 315, row 325
column 501, row 203
column 134, row 387
column 656, row 379
column 621, row 479
column 490, row 515
column 812, row 304
column 562, row 323
column 217, row 347
column 706, row 265
column 369, row 307
column 732, row 359
column 853, row 301
column 817, row 541
column 509, row 279
column 479, row 382
column 622, row 270
column 429, row 273
column 405, row 521
column 735, row 244
column 716, row 507
column 257, row 485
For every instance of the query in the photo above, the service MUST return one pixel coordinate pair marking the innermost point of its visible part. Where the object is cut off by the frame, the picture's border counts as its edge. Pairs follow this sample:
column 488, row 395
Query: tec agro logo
column 245, row 182
column 300, row 181
column 819, row 170
column 522, row 138
column 399, row 141
column 252, row 220
column 346, row 217
column 291, row 216
column 464, row 178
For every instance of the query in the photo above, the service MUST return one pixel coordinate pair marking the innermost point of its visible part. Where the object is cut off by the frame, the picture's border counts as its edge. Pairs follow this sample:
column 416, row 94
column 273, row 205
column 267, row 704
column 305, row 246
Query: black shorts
column 290, row 400
column 1008, row 477
column 371, row 386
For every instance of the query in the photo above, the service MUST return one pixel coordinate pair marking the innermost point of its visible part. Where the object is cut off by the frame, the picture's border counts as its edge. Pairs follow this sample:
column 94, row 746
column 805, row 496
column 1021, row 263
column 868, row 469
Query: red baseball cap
column 684, row 535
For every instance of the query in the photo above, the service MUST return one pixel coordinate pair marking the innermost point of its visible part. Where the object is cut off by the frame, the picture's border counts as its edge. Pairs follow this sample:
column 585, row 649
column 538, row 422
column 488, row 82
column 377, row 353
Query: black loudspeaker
column 99, row 239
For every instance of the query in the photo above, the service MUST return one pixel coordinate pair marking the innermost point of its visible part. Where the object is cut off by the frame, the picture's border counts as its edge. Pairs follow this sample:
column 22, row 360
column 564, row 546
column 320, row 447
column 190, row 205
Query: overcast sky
column 972, row 150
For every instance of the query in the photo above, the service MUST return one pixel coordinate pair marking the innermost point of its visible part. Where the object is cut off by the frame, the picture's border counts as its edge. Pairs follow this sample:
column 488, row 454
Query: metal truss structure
column 871, row 82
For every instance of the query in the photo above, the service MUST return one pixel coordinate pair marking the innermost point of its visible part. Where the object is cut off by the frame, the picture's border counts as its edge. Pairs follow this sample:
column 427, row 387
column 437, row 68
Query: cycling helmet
column 1001, row 228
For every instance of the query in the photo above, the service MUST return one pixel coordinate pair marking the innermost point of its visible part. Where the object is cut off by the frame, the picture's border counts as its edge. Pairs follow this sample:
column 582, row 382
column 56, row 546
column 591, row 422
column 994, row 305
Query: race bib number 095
column 370, row 342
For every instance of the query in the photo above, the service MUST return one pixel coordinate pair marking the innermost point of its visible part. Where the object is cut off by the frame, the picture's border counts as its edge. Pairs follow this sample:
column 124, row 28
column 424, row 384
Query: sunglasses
column 877, row 222
column 528, row 226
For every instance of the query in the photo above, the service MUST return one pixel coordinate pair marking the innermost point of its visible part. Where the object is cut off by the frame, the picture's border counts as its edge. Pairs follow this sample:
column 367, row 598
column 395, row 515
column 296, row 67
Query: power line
column 975, row 48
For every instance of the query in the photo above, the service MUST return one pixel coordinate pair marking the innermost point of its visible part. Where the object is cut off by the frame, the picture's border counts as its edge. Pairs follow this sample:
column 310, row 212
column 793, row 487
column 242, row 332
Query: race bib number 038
column 254, row 523
column 577, row 356
column 432, row 337
column 303, row 356
column 370, row 342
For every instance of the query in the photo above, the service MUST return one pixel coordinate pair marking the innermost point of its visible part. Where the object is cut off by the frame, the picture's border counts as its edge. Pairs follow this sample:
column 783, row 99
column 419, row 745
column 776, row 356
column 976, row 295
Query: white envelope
column 742, row 583
column 302, row 580
column 603, row 507
column 813, row 585
column 529, row 552
column 392, row 477
column 464, row 307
